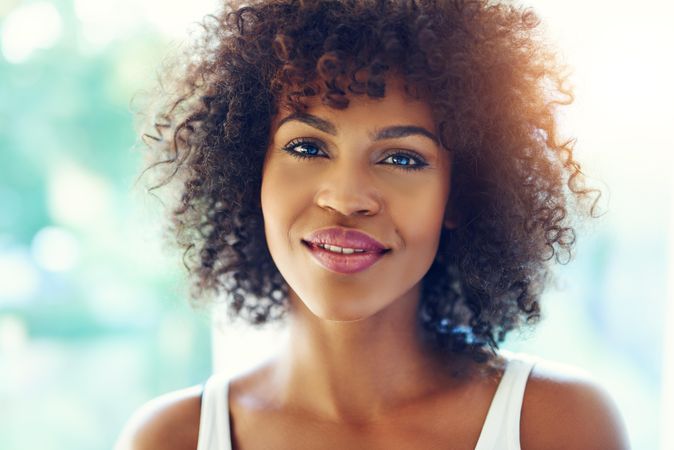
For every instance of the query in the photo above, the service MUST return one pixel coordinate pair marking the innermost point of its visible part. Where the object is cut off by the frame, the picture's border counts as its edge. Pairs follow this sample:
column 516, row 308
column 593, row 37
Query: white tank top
column 501, row 429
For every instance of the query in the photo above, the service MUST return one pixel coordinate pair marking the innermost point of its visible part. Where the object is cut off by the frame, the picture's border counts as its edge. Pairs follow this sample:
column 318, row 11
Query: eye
column 406, row 161
column 303, row 148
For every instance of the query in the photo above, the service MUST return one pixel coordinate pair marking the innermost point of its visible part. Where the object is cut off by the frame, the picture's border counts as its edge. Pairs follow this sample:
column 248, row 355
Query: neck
column 359, row 371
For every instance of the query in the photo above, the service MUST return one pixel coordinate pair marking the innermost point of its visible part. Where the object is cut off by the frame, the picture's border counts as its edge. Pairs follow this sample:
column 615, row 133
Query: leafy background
column 93, row 317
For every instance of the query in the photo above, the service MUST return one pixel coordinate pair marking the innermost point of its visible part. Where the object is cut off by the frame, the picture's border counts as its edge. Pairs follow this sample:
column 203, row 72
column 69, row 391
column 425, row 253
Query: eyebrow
column 391, row 132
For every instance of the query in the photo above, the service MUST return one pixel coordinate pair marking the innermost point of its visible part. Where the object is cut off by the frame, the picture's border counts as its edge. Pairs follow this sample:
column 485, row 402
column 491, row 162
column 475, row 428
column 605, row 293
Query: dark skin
column 354, row 373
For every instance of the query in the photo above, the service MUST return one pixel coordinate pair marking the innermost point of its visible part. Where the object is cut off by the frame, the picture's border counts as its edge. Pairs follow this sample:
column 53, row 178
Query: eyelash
column 289, row 148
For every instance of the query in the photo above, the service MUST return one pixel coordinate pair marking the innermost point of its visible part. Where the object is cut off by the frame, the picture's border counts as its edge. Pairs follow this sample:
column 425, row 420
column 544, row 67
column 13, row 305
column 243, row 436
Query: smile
column 341, row 259
column 338, row 249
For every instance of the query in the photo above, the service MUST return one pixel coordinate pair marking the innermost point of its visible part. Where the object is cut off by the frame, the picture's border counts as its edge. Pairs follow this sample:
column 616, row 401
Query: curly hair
column 494, row 88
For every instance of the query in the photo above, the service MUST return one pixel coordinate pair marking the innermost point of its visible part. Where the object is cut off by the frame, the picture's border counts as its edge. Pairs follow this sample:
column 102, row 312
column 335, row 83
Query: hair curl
column 494, row 88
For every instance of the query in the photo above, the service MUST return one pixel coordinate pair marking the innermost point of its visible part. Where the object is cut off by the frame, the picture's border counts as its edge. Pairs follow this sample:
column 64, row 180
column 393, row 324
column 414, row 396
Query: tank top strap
column 501, row 429
column 214, row 427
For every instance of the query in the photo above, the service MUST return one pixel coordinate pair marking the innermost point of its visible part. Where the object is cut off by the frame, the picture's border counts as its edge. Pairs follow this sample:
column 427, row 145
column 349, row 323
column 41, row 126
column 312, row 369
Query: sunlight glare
column 28, row 28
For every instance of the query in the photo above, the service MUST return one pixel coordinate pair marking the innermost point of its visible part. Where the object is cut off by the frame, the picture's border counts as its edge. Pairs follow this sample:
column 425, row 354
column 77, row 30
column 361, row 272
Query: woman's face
column 375, row 167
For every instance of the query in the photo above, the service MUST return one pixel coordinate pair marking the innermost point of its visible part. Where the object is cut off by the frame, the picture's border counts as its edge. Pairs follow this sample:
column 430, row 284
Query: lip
column 345, row 237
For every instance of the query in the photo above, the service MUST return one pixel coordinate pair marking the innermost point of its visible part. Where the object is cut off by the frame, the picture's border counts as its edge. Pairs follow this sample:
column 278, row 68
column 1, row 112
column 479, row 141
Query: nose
column 349, row 191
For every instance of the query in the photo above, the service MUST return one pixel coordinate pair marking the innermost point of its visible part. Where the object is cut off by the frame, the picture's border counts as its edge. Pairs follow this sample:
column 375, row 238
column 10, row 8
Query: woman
column 388, row 178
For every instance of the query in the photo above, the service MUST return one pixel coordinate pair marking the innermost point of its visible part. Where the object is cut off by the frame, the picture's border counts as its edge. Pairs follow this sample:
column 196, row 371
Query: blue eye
column 303, row 148
column 406, row 162
column 307, row 149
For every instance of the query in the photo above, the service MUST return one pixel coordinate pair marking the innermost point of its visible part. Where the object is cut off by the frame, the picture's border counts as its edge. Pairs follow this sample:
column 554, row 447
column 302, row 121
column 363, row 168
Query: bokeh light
column 55, row 249
column 29, row 28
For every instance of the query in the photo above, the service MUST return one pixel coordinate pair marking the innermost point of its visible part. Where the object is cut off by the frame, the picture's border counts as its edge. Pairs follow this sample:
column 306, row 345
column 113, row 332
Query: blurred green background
column 93, row 320
column 93, row 316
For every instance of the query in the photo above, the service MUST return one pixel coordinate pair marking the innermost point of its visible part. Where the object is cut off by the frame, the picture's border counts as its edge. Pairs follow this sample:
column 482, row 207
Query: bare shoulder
column 564, row 408
column 169, row 422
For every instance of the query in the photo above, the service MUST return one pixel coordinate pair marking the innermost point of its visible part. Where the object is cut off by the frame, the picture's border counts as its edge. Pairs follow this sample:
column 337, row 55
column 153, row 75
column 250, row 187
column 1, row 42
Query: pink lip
column 343, row 237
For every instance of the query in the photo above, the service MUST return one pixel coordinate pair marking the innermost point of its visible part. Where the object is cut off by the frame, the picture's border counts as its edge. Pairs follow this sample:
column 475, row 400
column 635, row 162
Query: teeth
column 337, row 249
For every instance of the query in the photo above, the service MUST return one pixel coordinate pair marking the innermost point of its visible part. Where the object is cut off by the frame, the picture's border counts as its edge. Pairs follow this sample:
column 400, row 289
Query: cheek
column 282, row 199
column 423, row 201
column 419, row 217
column 273, row 188
column 423, row 234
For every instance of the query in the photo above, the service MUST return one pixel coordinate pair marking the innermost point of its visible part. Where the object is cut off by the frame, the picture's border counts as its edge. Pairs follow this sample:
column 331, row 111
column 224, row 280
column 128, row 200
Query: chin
column 338, row 310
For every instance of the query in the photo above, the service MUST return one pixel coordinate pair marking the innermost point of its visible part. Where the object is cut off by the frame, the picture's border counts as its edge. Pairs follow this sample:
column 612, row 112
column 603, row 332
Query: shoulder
column 169, row 422
column 564, row 408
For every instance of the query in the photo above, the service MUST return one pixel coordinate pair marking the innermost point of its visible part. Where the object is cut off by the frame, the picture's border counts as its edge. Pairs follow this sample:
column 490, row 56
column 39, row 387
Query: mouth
column 343, row 260
column 345, row 240
column 342, row 250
